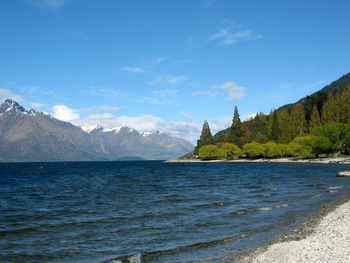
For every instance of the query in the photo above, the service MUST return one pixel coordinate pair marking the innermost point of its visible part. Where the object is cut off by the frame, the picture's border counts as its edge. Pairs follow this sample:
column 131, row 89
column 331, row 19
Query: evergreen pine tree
column 275, row 129
column 206, row 137
column 259, row 130
column 329, row 110
column 235, row 133
column 315, row 118
column 285, row 120
column 298, row 124
column 345, row 105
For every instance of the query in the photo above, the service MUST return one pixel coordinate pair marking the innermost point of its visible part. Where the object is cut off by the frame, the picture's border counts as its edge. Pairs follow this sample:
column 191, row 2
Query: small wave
column 315, row 196
column 259, row 209
column 264, row 195
column 335, row 187
column 147, row 256
column 137, row 258
column 267, row 208
column 333, row 191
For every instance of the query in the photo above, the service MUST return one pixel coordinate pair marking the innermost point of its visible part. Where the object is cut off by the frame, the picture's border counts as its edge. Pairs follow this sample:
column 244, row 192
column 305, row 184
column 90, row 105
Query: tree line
column 317, row 127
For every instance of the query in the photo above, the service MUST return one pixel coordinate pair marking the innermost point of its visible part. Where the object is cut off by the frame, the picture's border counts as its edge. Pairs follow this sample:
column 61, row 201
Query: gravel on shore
column 276, row 160
column 329, row 241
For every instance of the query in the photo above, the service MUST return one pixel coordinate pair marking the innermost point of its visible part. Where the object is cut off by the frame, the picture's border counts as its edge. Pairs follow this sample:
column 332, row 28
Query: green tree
column 337, row 133
column 230, row 150
column 315, row 118
column 208, row 152
column 254, row 150
column 206, row 137
column 274, row 150
column 321, row 145
column 259, row 131
column 298, row 121
column 345, row 106
column 285, row 120
column 235, row 133
column 297, row 150
column 275, row 128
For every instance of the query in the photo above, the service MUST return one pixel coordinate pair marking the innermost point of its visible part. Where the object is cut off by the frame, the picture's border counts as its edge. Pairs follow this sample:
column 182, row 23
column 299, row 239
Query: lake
column 150, row 211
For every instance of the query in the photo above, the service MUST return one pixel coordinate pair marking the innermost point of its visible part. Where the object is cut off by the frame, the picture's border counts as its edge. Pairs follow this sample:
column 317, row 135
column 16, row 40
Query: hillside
column 316, row 98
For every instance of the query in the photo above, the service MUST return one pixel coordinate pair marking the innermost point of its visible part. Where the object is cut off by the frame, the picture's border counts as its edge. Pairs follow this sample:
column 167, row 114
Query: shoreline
column 277, row 160
column 323, row 238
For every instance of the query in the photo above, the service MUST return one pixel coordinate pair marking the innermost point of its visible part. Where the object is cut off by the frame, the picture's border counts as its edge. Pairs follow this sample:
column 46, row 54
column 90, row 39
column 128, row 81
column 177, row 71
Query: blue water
column 154, row 211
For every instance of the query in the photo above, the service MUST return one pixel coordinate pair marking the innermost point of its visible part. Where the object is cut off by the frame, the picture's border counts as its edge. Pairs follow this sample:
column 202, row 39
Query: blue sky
column 168, row 65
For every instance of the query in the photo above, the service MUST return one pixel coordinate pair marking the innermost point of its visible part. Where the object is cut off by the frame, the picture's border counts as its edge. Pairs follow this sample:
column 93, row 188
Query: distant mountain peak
column 9, row 104
column 150, row 133
column 12, row 106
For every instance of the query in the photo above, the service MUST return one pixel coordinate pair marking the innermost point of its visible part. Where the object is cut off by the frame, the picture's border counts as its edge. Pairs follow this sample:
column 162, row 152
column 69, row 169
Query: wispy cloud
column 167, row 79
column 229, row 35
column 165, row 92
column 133, row 69
column 184, row 61
column 234, row 91
column 103, row 92
column 8, row 94
column 37, row 105
column 187, row 116
column 161, row 59
column 205, row 93
column 314, row 85
column 102, row 107
column 47, row 4
column 154, row 100
column 147, row 66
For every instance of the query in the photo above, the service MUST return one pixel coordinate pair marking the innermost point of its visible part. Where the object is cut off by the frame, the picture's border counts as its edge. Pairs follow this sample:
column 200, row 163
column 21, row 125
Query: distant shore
column 277, row 160
column 326, row 240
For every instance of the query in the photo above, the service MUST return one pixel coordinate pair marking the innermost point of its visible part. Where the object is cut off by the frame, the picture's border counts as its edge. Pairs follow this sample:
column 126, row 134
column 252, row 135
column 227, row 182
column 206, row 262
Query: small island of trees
column 316, row 127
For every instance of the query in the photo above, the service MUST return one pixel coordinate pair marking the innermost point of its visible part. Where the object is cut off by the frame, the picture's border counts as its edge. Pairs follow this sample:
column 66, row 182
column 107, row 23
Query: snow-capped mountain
column 29, row 135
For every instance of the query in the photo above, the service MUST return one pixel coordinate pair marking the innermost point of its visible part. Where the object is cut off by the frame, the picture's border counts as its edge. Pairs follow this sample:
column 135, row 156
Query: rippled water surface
column 154, row 211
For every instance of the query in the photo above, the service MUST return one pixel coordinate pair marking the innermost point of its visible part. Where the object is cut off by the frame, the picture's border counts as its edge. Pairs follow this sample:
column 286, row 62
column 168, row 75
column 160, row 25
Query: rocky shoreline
column 324, row 238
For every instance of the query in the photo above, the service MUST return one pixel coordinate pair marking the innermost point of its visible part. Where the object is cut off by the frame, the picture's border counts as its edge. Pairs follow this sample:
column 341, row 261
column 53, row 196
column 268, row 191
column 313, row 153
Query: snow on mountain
column 29, row 135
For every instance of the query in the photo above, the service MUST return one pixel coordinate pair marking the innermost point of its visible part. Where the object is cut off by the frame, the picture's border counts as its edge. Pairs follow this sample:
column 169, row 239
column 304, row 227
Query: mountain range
column 31, row 136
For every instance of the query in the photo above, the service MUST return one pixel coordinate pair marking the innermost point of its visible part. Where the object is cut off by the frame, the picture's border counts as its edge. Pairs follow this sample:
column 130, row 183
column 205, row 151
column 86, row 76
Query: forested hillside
column 318, row 125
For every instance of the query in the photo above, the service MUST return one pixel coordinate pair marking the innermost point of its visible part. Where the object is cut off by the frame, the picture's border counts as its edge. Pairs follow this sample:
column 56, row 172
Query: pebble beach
column 328, row 242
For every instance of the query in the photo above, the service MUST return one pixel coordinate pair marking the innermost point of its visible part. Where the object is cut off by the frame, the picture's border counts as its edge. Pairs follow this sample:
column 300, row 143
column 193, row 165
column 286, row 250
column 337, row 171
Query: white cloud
column 102, row 107
column 133, row 69
column 161, row 59
column 37, row 105
column 234, row 91
column 108, row 108
column 64, row 113
column 167, row 79
column 205, row 93
column 187, row 116
column 228, row 36
column 103, row 92
column 154, row 100
column 8, row 94
column 248, row 116
column 165, row 92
